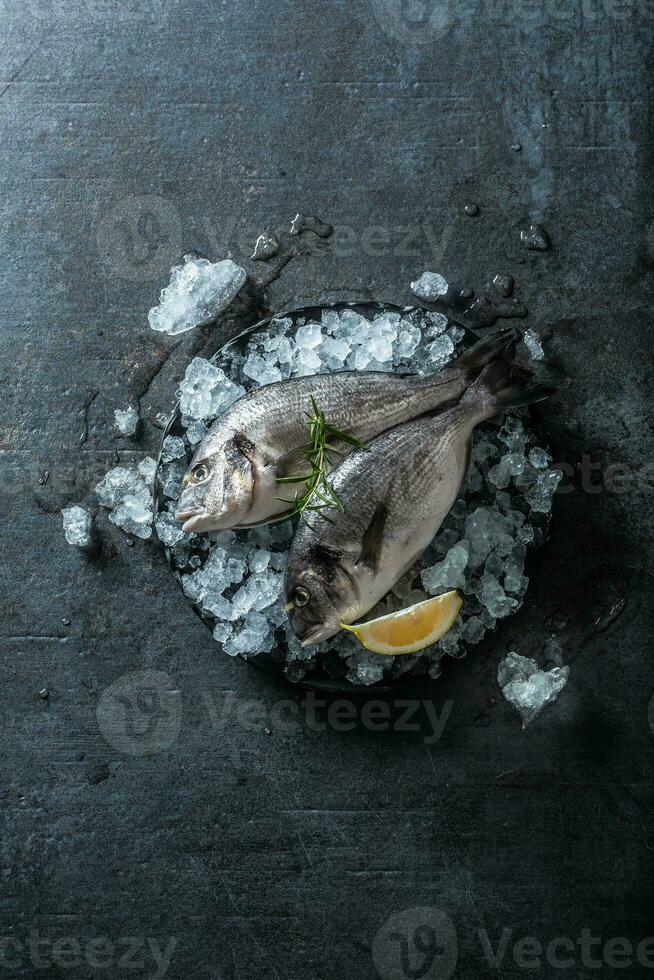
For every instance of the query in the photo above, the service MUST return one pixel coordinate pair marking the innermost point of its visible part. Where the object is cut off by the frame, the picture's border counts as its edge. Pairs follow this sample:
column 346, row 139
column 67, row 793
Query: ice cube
column 431, row 286
column 365, row 668
column 533, row 345
column 493, row 596
column 222, row 632
column 206, row 391
column 172, row 448
column 147, row 469
column 308, row 361
column 526, row 534
column 407, row 342
column 170, row 478
column 361, row 359
column 259, row 560
column 199, row 291
column 308, row 336
column 258, row 592
column 528, row 688
column 134, row 513
column 78, row 526
column 513, row 464
column 449, row 573
column 437, row 324
column 169, row 531
column 539, row 458
column 255, row 637
column 196, row 432
column 334, row 352
column 486, row 529
column 513, row 434
column 261, row 370
column 541, row 493
column 126, row 420
column 440, row 350
column 473, row 630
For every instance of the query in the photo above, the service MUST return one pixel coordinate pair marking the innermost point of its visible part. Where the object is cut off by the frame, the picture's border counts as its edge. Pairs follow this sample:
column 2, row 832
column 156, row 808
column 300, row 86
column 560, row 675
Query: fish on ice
column 233, row 479
column 395, row 495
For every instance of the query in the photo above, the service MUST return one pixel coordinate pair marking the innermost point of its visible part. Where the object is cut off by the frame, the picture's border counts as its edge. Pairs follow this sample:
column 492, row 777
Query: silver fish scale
column 415, row 472
column 361, row 404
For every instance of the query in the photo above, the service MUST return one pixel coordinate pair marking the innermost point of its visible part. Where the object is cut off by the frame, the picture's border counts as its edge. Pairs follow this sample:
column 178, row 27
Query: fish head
column 217, row 489
column 321, row 593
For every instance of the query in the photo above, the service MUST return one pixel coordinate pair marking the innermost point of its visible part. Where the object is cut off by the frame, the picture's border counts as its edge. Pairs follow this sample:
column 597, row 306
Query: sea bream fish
column 395, row 496
column 233, row 479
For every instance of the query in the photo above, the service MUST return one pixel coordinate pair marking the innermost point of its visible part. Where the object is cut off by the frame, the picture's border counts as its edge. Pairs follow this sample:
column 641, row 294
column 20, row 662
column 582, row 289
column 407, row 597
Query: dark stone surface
column 186, row 805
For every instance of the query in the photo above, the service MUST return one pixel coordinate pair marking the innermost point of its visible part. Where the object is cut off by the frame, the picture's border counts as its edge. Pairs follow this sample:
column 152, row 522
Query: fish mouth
column 316, row 634
column 194, row 520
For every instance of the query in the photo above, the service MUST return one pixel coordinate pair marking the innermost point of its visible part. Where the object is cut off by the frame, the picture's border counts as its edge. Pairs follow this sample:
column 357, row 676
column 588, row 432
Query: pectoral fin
column 373, row 539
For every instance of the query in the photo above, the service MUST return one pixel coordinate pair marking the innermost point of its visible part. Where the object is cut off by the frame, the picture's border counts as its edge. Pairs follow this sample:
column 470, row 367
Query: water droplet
column 471, row 210
column 516, row 147
column 266, row 246
column 490, row 306
column 159, row 421
column 535, row 238
column 303, row 222
column 504, row 284
column 44, row 693
column 610, row 614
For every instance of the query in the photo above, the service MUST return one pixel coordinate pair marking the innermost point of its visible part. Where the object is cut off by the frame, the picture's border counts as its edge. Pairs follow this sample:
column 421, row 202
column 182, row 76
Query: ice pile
column 240, row 584
column 78, row 526
column 127, row 493
column 126, row 420
column 532, row 343
column 419, row 340
column 431, row 286
column 235, row 578
column 528, row 688
column 197, row 293
column 206, row 391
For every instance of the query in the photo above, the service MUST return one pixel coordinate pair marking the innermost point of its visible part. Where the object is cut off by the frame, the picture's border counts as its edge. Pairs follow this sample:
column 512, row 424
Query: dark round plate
column 274, row 661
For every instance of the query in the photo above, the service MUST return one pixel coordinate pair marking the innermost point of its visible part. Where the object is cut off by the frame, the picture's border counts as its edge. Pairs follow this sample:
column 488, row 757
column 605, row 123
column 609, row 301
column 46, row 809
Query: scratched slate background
column 134, row 132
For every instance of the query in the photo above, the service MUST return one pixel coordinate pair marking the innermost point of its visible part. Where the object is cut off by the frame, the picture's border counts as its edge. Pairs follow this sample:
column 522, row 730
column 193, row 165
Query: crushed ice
column 127, row 493
column 126, row 420
column 198, row 292
column 78, row 526
column 236, row 577
column 528, row 688
column 431, row 286
column 532, row 343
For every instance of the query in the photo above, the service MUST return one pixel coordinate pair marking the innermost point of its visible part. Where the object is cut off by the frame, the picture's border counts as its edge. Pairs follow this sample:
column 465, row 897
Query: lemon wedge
column 409, row 630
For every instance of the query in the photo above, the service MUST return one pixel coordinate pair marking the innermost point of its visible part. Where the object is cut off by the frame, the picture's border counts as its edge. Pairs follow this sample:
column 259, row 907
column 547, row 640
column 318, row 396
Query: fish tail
column 502, row 386
column 501, row 343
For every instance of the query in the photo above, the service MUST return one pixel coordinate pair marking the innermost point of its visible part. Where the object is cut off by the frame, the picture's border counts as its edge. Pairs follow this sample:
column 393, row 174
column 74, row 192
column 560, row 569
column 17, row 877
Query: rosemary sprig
column 319, row 453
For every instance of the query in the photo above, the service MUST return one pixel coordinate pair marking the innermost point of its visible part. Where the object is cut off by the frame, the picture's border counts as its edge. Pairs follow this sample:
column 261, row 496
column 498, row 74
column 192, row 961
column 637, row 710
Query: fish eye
column 200, row 473
column 301, row 596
